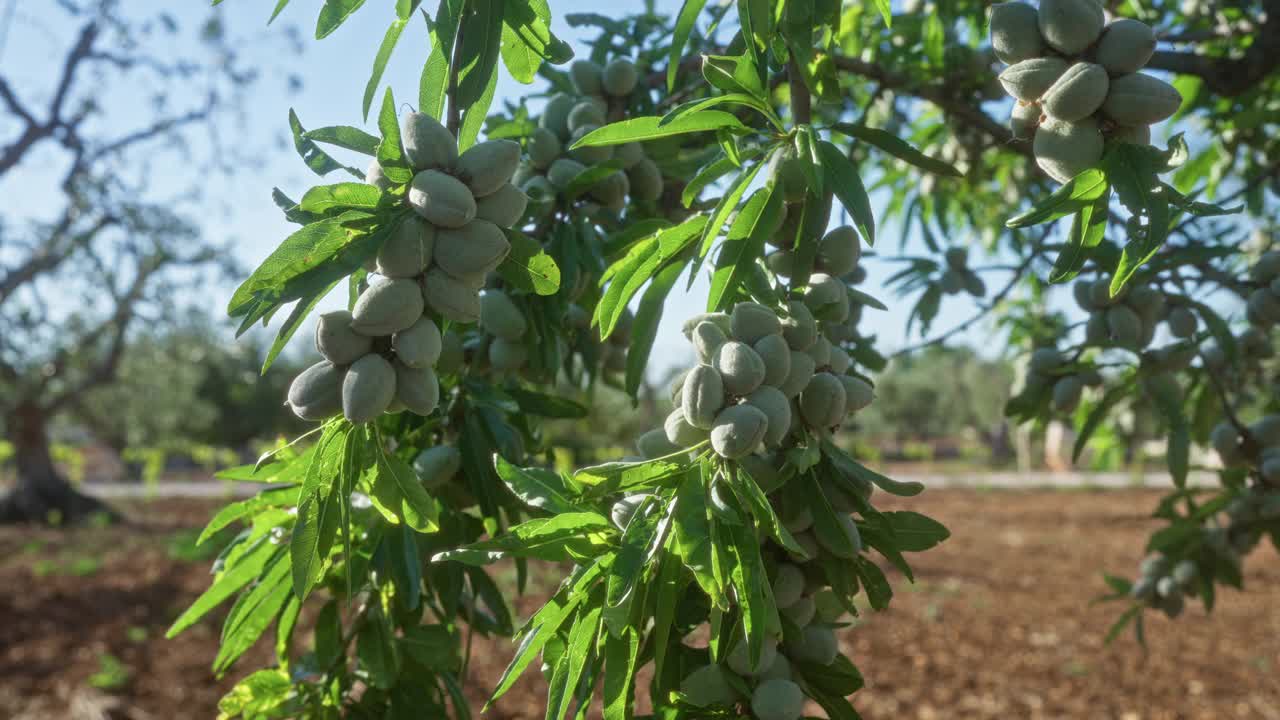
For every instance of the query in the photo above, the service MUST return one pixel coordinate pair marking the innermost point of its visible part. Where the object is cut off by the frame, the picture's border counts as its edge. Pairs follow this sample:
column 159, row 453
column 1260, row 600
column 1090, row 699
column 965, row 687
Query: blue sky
column 333, row 73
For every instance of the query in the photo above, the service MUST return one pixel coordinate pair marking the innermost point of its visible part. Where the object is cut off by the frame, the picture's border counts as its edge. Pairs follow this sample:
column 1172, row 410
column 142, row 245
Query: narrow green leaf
column 1087, row 231
column 842, row 175
column 644, row 329
column 320, row 162
column 1074, row 194
column 758, row 220
column 896, row 147
column 246, row 569
column 651, row 128
column 620, row 654
column 333, row 14
column 399, row 495
column 433, row 85
column 684, row 27
column 728, row 203
column 256, row 613
column 389, row 41
column 529, row 267
column 345, row 136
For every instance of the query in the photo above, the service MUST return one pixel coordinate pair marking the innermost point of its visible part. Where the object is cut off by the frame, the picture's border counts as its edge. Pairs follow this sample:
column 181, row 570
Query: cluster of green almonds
column 378, row 358
column 1163, row 580
column 759, row 380
column 1162, row 583
column 1259, row 446
column 957, row 277
column 1129, row 320
column 464, row 202
column 1076, row 82
column 809, row 611
column 1049, row 367
column 551, row 166
column 504, row 343
column 1263, row 308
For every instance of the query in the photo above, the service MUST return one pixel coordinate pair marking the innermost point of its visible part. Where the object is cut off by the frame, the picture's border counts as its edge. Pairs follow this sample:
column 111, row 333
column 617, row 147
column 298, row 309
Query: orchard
column 1101, row 178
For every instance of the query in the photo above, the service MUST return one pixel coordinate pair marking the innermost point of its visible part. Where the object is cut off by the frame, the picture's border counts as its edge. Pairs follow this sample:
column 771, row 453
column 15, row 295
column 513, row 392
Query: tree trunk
column 42, row 494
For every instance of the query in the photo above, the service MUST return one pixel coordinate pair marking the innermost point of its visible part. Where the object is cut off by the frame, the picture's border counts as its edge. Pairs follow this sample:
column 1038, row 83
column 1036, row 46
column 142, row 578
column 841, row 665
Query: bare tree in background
column 119, row 251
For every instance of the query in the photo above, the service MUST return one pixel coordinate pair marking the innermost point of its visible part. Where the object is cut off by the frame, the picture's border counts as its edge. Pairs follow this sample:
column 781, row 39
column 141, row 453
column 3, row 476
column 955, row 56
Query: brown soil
column 998, row 624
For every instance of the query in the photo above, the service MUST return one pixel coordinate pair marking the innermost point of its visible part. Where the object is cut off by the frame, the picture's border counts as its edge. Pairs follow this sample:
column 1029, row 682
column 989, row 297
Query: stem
column 801, row 111
column 453, row 120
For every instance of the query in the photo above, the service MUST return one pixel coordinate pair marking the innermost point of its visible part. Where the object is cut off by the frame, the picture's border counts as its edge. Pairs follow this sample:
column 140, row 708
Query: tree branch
column 1228, row 76
column 963, row 111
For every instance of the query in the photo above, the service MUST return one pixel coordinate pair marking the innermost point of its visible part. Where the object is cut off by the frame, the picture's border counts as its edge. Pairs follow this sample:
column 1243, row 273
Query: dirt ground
column 998, row 625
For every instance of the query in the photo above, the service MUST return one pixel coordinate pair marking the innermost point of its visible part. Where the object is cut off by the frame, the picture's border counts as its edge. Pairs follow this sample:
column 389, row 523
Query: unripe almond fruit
column 1140, row 99
column 1028, row 80
column 387, row 307
column 487, row 166
column 1070, row 26
column 1077, row 94
column 1126, row 46
column 1015, row 32
column 1064, row 150
column 337, row 342
column 427, row 143
column 442, row 199
column 368, row 388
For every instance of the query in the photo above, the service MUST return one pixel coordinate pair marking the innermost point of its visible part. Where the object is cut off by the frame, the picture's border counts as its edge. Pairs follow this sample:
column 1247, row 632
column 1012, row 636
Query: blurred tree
column 120, row 251
column 912, row 405
column 182, row 382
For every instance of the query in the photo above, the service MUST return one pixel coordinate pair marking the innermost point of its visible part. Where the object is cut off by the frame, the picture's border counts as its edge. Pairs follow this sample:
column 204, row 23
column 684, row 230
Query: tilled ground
column 998, row 624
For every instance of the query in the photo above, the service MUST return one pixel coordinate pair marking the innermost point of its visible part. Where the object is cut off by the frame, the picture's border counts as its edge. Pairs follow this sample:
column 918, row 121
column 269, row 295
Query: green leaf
column 620, row 655
column 390, row 153
column 549, row 406
column 734, row 74
column 542, row 627
column 433, row 86
column 896, row 147
column 431, row 646
column 713, row 171
column 476, row 113
column 544, row 538
column 389, row 41
column 345, row 136
column 320, row 162
column 758, row 220
column 726, row 206
column 247, row 568
column 304, row 250
column 481, row 34
column 273, row 497
column 629, row 274
column 578, row 649
column 874, row 582
column 529, row 267
column 323, row 198
column 842, row 176
column 521, row 60
column 915, row 532
column 644, row 329
column 1094, row 419
column 1131, row 173
column 333, row 14
column 253, row 613
column 398, row 494
column 651, row 128
column 531, row 22
column 317, row 522
column 376, row 650
column 1076, row 193
column 1087, row 231
column 535, row 487
column 291, row 324
column 684, row 27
